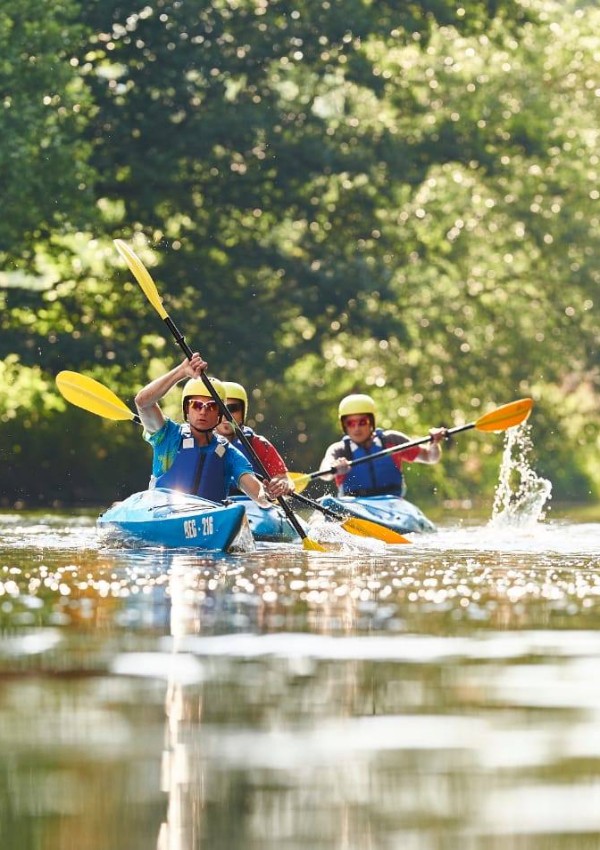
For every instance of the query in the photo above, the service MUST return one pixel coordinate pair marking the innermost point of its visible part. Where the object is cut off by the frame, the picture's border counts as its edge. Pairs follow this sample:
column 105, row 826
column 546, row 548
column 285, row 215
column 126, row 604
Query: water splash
column 521, row 494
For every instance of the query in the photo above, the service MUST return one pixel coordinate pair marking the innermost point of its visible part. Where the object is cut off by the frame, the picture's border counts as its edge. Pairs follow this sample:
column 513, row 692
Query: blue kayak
column 394, row 512
column 176, row 520
column 269, row 525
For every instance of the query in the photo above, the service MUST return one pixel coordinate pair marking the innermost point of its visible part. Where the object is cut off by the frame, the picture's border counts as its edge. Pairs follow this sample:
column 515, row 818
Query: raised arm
column 148, row 397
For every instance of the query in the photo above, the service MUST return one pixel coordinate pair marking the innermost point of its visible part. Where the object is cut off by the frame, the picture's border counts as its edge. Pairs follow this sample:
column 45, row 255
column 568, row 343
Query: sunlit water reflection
column 444, row 694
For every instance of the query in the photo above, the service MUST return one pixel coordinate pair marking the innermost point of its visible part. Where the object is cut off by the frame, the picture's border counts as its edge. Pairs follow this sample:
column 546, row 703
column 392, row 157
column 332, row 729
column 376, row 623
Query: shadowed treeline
column 340, row 196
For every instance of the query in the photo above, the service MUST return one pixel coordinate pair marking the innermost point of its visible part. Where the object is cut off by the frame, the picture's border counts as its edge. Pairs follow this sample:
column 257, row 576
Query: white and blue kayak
column 394, row 512
column 174, row 520
column 268, row 525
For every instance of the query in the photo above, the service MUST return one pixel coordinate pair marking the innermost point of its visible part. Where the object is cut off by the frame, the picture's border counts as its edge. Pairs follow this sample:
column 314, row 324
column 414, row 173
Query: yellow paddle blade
column 301, row 480
column 366, row 528
column 506, row 416
column 142, row 275
column 92, row 396
column 312, row 545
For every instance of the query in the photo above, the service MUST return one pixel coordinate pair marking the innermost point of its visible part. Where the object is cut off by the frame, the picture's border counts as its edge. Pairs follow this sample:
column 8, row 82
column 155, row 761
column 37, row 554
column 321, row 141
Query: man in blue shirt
column 190, row 457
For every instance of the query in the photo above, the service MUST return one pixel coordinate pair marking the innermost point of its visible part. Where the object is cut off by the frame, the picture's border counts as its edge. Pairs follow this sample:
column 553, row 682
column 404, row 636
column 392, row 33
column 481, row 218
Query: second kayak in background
column 394, row 512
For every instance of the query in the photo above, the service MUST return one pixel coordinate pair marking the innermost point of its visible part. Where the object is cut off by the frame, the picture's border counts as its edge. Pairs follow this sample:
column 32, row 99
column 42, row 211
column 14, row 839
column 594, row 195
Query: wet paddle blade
column 142, row 275
column 366, row 528
column 312, row 545
column 507, row 416
column 301, row 480
column 92, row 396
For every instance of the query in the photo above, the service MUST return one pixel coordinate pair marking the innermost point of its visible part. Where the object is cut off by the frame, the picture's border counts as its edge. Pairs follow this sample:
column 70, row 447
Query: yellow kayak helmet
column 195, row 386
column 237, row 391
column 357, row 403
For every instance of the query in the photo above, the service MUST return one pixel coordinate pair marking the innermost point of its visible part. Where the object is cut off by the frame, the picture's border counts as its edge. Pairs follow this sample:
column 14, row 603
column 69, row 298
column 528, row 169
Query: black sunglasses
column 235, row 407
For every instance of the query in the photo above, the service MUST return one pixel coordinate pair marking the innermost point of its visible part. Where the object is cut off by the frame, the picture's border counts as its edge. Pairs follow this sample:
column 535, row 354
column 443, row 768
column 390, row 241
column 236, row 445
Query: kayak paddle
column 94, row 397
column 149, row 289
column 500, row 419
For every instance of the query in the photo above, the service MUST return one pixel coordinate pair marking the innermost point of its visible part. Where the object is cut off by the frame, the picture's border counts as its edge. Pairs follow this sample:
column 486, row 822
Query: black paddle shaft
column 402, row 447
column 316, row 506
column 223, row 409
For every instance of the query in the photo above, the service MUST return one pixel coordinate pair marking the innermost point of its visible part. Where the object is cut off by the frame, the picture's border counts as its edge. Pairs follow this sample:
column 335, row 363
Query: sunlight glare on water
column 442, row 694
column 50, row 531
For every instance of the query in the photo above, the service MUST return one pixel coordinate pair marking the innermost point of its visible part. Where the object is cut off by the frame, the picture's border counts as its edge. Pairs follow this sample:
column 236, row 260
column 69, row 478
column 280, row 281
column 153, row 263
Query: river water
column 436, row 696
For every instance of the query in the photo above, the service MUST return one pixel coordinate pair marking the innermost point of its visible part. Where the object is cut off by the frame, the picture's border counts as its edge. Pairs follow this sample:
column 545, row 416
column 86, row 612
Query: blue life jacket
column 199, row 470
column 380, row 477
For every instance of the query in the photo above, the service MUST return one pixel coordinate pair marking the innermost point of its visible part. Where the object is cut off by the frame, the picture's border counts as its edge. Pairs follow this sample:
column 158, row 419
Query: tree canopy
column 399, row 199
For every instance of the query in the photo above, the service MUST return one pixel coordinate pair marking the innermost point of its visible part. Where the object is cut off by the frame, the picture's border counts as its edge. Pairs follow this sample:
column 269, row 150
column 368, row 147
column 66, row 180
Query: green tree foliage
column 53, row 453
column 254, row 142
column 396, row 198
column 44, row 174
column 491, row 294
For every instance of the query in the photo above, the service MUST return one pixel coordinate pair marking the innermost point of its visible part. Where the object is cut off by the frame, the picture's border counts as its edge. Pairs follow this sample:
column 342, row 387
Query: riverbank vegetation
column 334, row 196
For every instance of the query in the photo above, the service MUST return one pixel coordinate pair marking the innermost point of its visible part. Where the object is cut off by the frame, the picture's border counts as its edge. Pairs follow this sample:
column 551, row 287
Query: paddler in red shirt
column 357, row 413
column 237, row 404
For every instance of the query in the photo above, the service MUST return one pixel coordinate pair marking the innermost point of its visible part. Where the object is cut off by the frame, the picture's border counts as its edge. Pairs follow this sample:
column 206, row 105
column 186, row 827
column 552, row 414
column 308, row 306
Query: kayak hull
column 394, row 512
column 174, row 520
column 269, row 525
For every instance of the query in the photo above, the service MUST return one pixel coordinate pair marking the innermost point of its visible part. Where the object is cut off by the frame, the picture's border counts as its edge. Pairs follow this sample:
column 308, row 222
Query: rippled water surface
column 441, row 695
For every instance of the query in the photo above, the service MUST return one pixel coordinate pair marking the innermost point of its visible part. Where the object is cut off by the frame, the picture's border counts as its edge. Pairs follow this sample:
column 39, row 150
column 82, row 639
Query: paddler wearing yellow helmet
column 190, row 456
column 237, row 404
column 383, row 476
